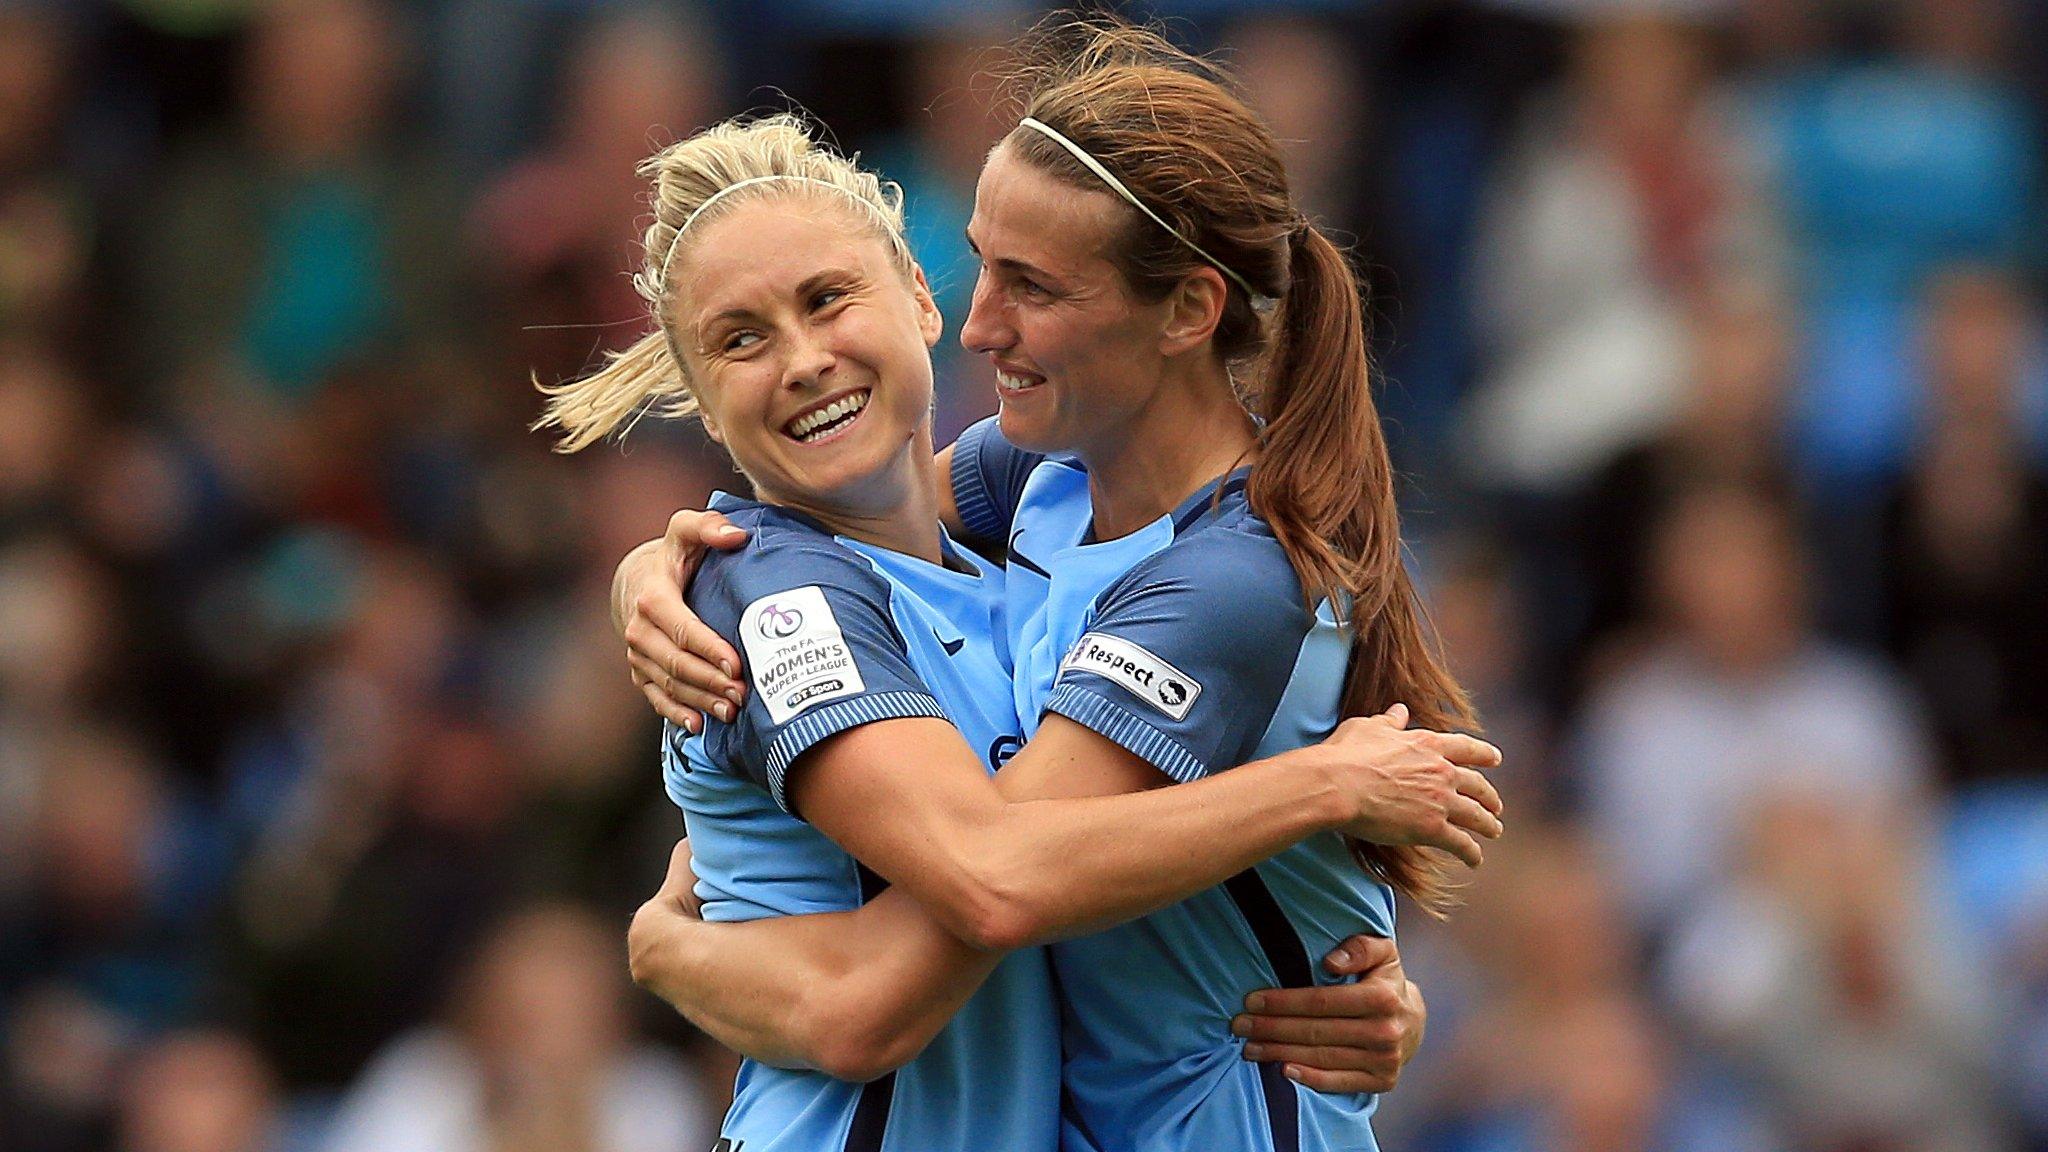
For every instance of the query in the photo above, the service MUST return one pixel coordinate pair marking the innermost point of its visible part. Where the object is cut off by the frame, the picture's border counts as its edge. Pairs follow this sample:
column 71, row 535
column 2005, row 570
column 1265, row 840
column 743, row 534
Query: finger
column 1480, row 789
column 688, row 719
column 679, row 674
column 715, row 531
column 1377, row 1034
column 690, row 535
column 1459, row 748
column 687, row 670
column 703, row 641
column 1467, row 813
column 644, row 636
column 668, row 628
column 1459, row 843
column 1339, row 1083
column 1359, row 954
column 687, row 527
column 1374, row 998
column 1325, row 1057
column 663, row 683
column 1397, row 715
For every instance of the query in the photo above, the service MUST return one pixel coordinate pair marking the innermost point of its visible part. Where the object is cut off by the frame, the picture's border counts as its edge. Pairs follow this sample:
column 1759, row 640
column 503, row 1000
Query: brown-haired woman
column 1208, row 571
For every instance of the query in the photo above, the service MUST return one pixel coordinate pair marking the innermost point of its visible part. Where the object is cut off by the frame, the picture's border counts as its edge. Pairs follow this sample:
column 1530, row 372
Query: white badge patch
column 796, row 653
column 1147, row 676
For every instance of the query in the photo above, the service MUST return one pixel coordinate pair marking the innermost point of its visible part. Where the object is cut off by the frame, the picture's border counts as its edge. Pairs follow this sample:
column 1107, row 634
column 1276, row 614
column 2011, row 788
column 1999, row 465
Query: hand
column 1340, row 1038
column 683, row 667
column 676, row 899
column 1415, row 786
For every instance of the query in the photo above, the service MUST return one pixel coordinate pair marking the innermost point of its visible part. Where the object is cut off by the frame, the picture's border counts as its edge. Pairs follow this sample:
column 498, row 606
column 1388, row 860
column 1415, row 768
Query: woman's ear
column 1197, row 308
column 929, row 322
column 703, row 412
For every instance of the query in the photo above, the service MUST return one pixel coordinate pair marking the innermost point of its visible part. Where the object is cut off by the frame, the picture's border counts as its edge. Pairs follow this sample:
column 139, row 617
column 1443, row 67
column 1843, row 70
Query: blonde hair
column 694, row 182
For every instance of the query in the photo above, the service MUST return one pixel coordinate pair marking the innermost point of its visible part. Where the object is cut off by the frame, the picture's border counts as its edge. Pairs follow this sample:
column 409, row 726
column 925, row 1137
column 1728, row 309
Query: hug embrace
column 1015, row 771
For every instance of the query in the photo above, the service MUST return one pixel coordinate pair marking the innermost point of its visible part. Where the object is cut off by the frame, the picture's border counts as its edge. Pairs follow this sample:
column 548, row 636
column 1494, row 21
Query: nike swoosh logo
column 953, row 647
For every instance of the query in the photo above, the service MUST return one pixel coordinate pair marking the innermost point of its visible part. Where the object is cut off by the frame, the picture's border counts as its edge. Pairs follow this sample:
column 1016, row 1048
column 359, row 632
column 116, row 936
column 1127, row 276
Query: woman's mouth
column 1011, row 383
column 827, row 420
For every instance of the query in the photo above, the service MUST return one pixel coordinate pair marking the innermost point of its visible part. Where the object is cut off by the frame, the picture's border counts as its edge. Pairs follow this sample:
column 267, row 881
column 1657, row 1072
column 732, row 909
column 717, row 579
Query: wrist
column 1324, row 799
column 626, row 582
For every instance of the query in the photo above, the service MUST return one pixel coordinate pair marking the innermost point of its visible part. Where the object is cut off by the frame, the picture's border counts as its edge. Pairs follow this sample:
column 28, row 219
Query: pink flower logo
column 777, row 622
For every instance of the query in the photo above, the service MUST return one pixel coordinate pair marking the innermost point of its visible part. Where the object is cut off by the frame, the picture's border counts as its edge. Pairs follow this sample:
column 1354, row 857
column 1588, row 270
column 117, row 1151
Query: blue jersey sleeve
column 1187, row 657
column 821, row 648
column 988, row 479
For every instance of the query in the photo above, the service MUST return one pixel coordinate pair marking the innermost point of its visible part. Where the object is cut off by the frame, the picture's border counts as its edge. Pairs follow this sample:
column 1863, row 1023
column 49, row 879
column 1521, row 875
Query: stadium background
column 1711, row 341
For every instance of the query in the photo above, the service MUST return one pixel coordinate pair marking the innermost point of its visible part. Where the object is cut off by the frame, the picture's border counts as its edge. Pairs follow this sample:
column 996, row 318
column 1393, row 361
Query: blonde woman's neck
column 898, row 511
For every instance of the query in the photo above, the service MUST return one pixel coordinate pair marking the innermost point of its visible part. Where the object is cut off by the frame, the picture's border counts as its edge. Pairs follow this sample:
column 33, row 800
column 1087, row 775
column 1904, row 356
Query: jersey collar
column 957, row 559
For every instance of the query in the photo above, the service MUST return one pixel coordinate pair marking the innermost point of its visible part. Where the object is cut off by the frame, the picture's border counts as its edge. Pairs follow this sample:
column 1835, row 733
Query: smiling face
column 1076, row 354
column 808, row 348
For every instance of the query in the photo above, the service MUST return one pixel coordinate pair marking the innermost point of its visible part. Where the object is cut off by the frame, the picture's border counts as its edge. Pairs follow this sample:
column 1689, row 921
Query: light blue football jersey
column 836, row 633
column 1190, row 644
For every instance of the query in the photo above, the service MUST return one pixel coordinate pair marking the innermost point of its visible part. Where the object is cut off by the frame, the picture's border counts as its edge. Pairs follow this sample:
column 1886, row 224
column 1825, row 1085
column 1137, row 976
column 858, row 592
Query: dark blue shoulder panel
column 813, row 625
column 988, row 479
column 1189, row 653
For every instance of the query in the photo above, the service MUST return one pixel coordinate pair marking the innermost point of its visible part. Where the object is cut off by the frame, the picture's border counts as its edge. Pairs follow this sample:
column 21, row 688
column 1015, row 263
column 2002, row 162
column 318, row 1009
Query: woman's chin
column 863, row 475
column 1028, row 428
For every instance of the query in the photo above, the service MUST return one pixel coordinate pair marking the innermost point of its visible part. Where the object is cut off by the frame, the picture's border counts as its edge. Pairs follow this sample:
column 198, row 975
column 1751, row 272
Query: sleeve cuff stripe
column 978, row 513
column 1135, row 736
column 800, row 734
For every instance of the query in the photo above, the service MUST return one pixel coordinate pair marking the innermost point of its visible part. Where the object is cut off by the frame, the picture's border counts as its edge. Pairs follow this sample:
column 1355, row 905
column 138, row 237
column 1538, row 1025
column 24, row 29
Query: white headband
column 728, row 190
column 1259, row 299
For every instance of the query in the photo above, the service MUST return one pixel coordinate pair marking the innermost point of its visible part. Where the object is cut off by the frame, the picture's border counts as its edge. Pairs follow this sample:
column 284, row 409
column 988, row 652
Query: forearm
column 852, row 994
column 1063, row 867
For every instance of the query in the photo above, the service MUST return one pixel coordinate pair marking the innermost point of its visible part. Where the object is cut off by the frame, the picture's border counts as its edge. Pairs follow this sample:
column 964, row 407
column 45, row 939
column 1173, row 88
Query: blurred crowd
column 1710, row 338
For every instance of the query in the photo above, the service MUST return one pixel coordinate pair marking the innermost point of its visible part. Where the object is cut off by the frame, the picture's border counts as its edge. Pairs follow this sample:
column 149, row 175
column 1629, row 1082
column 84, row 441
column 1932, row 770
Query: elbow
column 645, row 970
column 992, row 919
column 846, row 1047
column 1002, row 927
column 641, row 959
column 649, row 952
column 993, row 901
column 858, row 1063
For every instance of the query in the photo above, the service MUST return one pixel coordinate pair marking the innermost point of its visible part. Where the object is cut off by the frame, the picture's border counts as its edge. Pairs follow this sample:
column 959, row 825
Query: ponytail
column 1324, row 482
column 590, row 409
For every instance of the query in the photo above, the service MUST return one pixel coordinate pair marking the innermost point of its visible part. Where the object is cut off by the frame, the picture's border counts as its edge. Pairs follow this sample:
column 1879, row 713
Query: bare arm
column 878, row 983
column 1032, row 858
column 874, row 986
column 851, row 994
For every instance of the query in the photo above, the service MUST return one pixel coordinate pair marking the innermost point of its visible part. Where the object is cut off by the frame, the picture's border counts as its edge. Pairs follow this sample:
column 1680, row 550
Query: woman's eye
column 740, row 340
column 827, row 298
column 1033, row 288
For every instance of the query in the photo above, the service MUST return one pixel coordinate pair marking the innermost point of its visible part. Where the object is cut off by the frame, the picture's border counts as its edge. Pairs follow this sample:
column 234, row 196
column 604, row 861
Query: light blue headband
column 1259, row 300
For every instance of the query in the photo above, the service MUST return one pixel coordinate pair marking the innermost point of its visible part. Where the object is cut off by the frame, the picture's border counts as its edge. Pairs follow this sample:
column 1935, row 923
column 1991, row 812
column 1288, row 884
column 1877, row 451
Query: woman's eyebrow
column 824, row 278
column 1009, row 264
column 713, row 321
